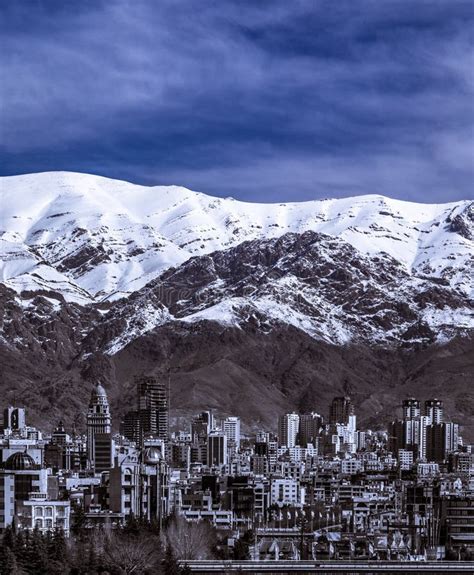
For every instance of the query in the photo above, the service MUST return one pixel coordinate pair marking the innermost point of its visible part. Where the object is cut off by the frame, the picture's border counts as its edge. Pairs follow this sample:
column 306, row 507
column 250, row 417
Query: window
column 39, row 523
column 49, row 524
column 48, row 512
column 38, row 512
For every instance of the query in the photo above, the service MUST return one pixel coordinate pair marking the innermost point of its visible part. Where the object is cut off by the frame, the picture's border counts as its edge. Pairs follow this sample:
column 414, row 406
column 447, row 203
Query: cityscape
column 319, row 489
column 237, row 287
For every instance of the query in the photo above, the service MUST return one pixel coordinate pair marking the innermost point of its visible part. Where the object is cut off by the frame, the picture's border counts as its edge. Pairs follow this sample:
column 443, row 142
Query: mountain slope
column 52, row 365
column 92, row 238
column 321, row 285
column 253, row 308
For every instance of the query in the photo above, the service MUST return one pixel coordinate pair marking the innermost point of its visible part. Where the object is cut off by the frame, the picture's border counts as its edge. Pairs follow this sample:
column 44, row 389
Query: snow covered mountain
column 93, row 239
column 255, row 308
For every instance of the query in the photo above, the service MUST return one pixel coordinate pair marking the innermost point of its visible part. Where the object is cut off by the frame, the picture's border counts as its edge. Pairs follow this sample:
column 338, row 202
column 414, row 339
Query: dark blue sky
column 268, row 101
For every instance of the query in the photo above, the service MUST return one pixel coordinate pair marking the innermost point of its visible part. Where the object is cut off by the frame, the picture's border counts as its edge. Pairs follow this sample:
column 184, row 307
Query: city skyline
column 340, row 491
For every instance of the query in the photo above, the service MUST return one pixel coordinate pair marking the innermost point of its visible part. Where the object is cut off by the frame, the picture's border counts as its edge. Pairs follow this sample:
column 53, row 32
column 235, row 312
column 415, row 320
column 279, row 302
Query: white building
column 38, row 511
column 286, row 492
column 231, row 428
column 405, row 458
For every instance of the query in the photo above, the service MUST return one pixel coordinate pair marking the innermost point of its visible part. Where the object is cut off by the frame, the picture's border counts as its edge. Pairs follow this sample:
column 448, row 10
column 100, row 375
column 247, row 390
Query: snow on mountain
column 92, row 238
column 321, row 285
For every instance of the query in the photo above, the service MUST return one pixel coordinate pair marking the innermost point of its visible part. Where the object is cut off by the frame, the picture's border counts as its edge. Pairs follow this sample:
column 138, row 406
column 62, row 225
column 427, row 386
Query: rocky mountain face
column 367, row 296
column 94, row 239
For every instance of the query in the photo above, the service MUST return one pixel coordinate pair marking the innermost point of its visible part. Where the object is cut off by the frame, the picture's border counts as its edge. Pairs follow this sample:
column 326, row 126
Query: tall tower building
column 411, row 408
column 231, row 428
column 153, row 407
column 99, row 438
column 434, row 410
column 288, row 427
column 341, row 409
column 310, row 424
column 201, row 426
column 442, row 439
column 217, row 449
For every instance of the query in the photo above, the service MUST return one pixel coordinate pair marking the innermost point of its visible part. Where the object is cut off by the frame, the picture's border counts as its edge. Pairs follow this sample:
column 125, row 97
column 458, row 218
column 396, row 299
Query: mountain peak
column 93, row 238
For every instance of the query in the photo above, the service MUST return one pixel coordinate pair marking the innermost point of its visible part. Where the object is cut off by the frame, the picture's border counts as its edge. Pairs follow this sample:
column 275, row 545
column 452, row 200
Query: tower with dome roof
column 99, row 428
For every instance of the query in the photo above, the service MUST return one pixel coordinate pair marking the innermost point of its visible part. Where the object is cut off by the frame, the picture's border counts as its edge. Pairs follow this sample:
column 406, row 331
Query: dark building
column 423, row 510
column 201, row 427
column 151, row 418
column 310, row 425
column 341, row 409
column 130, row 427
column 442, row 439
column 103, row 452
column 457, row 516
column 153, row 407
column 240, row 496
column 217, row 449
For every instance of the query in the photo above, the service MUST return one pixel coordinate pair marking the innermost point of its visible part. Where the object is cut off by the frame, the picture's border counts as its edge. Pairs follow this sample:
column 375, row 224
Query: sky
column 259, row 100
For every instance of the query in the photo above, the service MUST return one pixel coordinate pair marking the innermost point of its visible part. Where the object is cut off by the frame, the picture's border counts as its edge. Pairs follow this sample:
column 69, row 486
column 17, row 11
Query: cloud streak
column 265, row 101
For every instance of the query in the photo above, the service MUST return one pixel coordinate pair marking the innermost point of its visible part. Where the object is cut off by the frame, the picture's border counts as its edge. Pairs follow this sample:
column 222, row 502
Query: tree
column 170, row 565
column 190, row 540
column 129, row 554
column 9, row 565
column 36, row 554
column 58, row 553
column 78, row 519
column 242, row 546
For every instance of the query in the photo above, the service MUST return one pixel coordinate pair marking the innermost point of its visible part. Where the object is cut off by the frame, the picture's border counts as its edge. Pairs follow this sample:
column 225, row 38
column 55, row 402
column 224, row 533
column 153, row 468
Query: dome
column 152, row 456
column 98, row 396
column 20, row 461
column 100, row 391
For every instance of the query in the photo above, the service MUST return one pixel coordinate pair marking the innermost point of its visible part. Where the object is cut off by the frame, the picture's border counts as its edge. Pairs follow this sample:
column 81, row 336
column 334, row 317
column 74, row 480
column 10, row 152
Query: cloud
column 269, row 100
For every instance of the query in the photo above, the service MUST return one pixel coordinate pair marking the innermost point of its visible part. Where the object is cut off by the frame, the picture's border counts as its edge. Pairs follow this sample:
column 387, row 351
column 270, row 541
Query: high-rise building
column 288, row 427
column 411, row 408
column 201, row 427
column 216, row 449
column 131, row 428
column 341, row 409
column 231, row 428
column 434, row 410
column 103, row 452
column 98, row 424
column 410, row 433
column 151, row 418
column 442, row 439
column 153, row 407
column 309, row 426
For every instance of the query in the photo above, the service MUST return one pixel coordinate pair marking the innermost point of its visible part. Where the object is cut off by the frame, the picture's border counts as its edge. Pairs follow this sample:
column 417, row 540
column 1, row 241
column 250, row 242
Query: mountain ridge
column 278, row 317
column 94, row 239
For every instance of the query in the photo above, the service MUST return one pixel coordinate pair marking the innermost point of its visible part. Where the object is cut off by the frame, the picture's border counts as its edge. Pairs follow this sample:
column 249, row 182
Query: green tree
column 58, row 553
column 9, row 565
column 36, row 554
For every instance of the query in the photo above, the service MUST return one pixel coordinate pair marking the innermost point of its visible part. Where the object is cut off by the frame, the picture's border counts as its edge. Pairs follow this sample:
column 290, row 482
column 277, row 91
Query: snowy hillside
column 92, row 238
